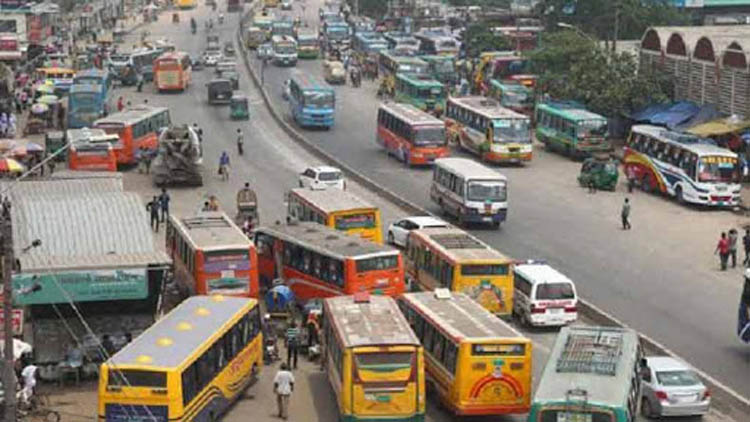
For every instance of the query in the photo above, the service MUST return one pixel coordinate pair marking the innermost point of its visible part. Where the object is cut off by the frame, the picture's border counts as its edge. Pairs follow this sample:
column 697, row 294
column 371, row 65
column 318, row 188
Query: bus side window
column 450, row 355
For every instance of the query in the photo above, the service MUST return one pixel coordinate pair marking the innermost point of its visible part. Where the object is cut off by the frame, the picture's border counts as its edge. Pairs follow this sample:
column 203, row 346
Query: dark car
column 196, row 63
column 219, row 91
column 232, row 76
column 229, row 49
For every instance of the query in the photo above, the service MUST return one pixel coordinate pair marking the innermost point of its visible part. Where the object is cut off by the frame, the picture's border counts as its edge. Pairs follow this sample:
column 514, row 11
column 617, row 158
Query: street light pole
column 9, row 381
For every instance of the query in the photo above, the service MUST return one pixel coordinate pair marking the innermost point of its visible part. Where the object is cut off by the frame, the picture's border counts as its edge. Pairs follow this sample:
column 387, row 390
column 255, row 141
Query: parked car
column 322, row 177
column 670, row 387
column 399, row 230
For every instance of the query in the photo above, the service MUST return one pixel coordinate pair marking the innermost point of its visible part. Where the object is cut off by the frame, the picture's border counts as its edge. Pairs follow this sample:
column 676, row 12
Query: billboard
column 82, row 286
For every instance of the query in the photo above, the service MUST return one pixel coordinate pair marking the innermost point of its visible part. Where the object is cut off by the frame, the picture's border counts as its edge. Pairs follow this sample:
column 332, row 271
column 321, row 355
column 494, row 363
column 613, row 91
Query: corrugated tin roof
column 75, row 186
column 459, row 245
column 81, row 225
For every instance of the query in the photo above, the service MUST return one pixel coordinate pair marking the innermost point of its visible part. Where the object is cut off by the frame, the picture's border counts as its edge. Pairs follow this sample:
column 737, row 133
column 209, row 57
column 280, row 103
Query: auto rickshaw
column 247, row 207
column 599, row 172
column 238, row 107
column 54, row 141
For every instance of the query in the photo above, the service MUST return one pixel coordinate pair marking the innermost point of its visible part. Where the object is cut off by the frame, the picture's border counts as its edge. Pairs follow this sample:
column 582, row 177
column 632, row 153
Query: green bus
column 571, row 129
column 592, row 375
column 512, row 95
column 308, row 45
column 394, row 64
column 442, row 68
column 421, row 91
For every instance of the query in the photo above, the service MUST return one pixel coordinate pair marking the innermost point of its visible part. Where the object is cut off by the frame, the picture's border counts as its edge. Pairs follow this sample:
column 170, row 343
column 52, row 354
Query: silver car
column 670, row 387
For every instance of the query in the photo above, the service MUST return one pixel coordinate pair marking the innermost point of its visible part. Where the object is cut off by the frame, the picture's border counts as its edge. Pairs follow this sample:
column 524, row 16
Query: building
column 30, row 23
column 706, row 64
column 97, row 257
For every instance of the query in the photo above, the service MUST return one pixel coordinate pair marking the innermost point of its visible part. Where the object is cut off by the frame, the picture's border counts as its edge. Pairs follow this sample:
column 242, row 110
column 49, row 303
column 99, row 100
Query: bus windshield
column 512, row 130
column 590, row 128
column 430, row 136
column 487, row 190
column 308, row 42
column 384, row 366
column 430, row 93
column 716, row 170
column 169, row 65
column 364, row 220
column 318, row 99
column 285, row 49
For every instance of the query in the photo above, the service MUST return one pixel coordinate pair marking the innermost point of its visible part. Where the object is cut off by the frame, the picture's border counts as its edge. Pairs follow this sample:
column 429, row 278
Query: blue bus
column 312, row 102
column 369, row 42
column 94, row 76
column 86, row 103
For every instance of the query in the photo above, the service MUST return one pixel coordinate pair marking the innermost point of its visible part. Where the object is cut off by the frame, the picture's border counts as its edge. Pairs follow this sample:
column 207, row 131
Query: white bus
column 691, row 169
column 469, row 191
column 284, row 50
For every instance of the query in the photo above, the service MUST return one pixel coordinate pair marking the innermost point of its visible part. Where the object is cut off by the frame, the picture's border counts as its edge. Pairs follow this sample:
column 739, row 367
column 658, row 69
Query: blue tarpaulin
column 668, row 115
column 279, row 298
column 707, row 113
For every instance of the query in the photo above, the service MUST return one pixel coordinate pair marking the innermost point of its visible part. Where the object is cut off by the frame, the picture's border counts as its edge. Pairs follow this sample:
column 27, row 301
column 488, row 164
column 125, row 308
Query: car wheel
column 646, row 410
column 391, row 240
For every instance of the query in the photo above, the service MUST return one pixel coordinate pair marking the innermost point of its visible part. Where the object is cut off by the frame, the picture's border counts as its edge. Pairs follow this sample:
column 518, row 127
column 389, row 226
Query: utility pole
column 9, row 380
column 617, row 26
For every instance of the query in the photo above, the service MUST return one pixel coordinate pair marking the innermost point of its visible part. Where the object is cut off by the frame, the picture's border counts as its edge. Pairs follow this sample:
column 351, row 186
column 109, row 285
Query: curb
column 737, row 404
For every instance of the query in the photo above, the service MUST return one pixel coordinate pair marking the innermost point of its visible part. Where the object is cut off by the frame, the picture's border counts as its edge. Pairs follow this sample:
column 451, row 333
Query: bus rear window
column 573, row 416
column 228, row 260
column 377, row 264
column 554, row 291
column 136, row 378
column 355, row 221
column 384, row 366
column 484, row 269
column 498, row 349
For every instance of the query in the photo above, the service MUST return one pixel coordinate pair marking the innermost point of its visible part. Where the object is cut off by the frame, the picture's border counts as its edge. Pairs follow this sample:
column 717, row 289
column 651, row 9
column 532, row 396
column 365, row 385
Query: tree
column 573, row 67
column 478, row 38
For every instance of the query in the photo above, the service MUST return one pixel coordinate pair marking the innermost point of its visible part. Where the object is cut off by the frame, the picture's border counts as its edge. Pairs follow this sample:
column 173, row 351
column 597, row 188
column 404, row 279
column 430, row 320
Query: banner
column 82, row 286
column 17, row 321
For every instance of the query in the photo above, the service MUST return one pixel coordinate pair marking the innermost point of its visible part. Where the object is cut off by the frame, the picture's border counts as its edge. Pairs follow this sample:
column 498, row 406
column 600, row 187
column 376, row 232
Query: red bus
column 10, row 50
column 92, row 156
column 137, row 127
column 410, row 134
column 172, row 71
column 318, row 261
column 211, row 255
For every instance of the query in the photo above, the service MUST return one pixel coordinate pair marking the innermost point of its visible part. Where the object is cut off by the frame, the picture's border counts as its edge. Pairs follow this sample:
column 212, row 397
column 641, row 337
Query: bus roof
column 131, row 115
column 487, row 107
column 332, row 200
column 308, row 82
column 375, row 322
column 458, row 244
column 570, row 112
column 411, row 114
column 419, row 80
column 194, row 322
column 328, row 241
column 172, row 55
column 689, row 142
column 85, row 87
column 461, row 316
column 599, row 360
column 468, row 168
column 403, row 59
column 211, row 230
column 83, row 135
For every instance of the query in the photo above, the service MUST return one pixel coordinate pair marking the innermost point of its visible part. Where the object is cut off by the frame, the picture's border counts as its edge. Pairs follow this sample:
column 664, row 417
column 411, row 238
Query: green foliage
column 597, row 17
column 479, row 38
column 572, row 67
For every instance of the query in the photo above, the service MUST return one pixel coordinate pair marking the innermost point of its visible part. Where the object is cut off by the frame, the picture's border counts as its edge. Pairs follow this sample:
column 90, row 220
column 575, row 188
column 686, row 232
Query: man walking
column 283, row 385
column 292, row 343
column 733, row 246
column 164, row 204
column 723, row 250
column 625, row 214
column 153, row 207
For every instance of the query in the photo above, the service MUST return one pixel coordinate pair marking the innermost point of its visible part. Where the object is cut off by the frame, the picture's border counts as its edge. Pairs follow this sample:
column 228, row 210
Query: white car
column 210, row 58
column 670, row 387
column 399, row 230
column 286, row 5
column 322, row 177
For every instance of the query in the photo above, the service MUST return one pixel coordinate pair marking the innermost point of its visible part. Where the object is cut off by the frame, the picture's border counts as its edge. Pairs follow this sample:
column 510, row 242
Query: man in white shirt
column 283, row 385
column 28, row 374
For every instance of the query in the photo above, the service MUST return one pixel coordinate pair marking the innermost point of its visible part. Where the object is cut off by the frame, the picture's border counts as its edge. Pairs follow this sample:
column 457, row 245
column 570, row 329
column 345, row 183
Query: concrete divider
column 727, row 400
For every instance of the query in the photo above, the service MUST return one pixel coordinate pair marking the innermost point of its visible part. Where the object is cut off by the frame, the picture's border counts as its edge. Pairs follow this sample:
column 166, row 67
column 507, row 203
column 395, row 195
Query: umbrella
column 39, row 108
column 29, row 148
column 19, row 348
column 11, row 165
column 45, row 89
column 48, row 99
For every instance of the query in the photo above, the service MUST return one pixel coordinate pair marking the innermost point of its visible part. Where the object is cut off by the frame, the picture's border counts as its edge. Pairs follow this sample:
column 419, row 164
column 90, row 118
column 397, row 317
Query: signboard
column 83, row 286
column 17, row 322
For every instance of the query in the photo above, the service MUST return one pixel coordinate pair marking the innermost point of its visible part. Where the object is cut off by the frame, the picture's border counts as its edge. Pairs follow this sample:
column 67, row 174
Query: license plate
column 487, row 219
column 555, row 310
column 690, row 398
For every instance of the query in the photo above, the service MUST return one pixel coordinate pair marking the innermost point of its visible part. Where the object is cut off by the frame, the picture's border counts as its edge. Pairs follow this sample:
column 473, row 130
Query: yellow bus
column 186, row 4
column 478, row 364
column 454, row 259
column 191, row 365
column 374, row 361
column 338, row 209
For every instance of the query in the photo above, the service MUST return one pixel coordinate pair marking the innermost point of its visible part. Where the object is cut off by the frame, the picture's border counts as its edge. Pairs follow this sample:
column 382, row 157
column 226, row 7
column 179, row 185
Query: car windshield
column 431, row 136
column 678, row 378
column 717, row 170
column 554, row 291
column 285, row 49
column 317, row 99
column 512, row 130
column 587, row 128
column 329, row 176
column 487, row 190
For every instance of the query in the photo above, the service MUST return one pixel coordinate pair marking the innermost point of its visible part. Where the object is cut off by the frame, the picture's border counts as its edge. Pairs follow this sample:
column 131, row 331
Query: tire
column 391, row 240
column 646, row 410
column 52, row 416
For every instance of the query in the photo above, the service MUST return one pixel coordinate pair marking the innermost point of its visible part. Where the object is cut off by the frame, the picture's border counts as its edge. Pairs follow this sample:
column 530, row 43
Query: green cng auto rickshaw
column 599, row 172
column 53, row 142
column 238, row 107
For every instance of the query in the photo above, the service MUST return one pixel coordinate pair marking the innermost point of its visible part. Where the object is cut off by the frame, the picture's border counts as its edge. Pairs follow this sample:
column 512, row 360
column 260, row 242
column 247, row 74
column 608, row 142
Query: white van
column 543, row 296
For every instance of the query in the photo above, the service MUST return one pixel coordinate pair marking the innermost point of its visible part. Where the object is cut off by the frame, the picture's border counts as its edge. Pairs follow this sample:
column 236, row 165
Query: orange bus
column 211, row 255
column 317, row 261
column 410, row 134
column 91, row 149
column 137, row 127
column 172, row 71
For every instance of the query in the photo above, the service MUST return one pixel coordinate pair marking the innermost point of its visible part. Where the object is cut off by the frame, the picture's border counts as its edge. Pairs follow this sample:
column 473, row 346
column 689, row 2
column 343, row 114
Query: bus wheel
column 678, row 195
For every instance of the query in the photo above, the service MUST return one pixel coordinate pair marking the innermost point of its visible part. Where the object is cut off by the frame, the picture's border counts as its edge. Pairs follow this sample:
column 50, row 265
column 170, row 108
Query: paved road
column 661, row 277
